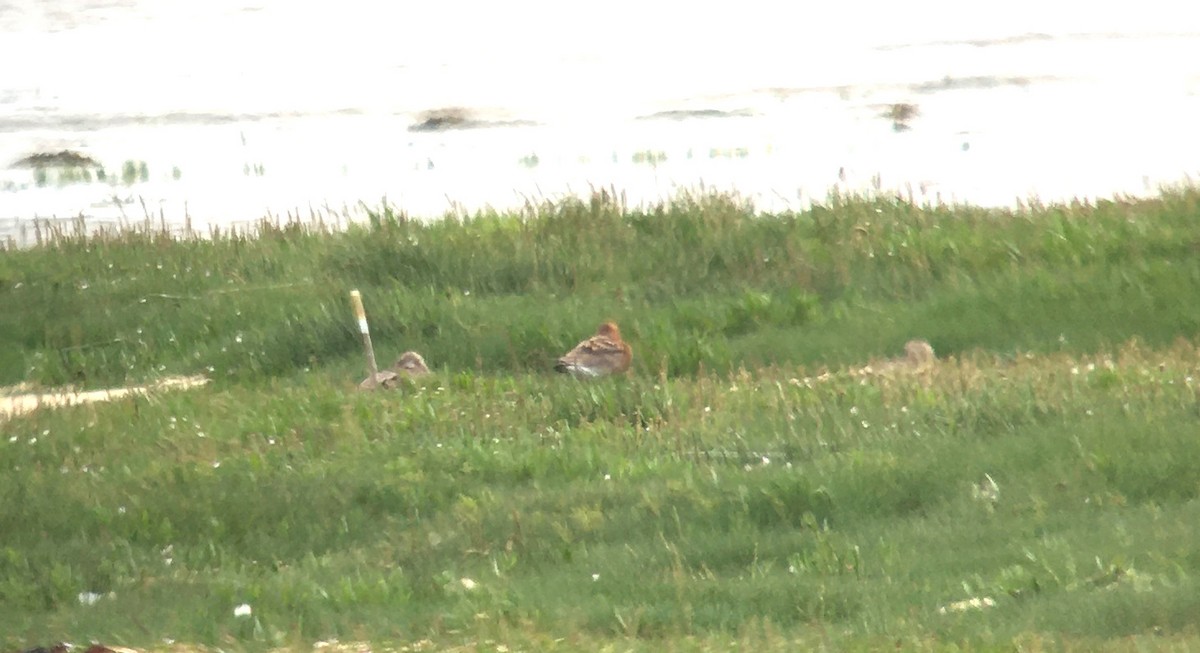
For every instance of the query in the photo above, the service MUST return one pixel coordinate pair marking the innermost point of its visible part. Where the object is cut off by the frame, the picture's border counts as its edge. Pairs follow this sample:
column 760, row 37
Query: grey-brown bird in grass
column 409, row 365
column 919, row 353
column 601, row 355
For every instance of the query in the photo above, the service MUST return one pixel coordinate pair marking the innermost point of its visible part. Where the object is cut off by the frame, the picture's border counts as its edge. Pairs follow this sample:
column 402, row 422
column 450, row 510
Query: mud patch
column 688, row 114
column 62, row 159
column 450, row 118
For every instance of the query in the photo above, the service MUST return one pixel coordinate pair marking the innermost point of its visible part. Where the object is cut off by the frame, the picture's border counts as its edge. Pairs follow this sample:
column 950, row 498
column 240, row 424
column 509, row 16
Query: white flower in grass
column 973, row 603
column 243, row 610
column 89, row 598
column 468, row 584
column 595, row 577
column 986, row 490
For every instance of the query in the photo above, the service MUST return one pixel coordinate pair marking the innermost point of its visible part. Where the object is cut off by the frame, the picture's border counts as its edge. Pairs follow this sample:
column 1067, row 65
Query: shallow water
column 239, row 109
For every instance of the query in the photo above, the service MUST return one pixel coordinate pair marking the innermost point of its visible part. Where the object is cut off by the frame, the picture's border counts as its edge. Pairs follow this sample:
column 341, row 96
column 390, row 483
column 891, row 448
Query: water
column 242, row 108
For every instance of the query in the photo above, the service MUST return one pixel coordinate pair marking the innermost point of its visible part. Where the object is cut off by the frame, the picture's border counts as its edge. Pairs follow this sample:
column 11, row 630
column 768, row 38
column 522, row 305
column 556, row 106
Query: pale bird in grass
column 602, row 354
column 918, row 357
column 409, row 365
column 919, row 353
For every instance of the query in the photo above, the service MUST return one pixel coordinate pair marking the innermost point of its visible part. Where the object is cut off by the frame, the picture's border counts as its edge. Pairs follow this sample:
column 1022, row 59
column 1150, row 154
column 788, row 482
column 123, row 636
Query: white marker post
column 361, row 316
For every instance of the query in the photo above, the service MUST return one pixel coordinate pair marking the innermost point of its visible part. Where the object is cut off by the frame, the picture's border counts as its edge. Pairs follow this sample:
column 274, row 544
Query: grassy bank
column 745, row 487
column 699, row 283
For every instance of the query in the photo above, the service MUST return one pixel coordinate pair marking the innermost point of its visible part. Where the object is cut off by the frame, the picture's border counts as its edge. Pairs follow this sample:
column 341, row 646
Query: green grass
column 700, row 283
column 742, row 489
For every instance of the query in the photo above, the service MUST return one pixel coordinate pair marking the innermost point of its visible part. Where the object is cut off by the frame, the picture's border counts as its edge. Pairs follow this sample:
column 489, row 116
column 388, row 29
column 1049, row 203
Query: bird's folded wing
column 599, row 346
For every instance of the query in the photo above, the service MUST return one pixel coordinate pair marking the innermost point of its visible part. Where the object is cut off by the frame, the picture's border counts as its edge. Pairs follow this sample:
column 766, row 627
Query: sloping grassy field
column 747, row 487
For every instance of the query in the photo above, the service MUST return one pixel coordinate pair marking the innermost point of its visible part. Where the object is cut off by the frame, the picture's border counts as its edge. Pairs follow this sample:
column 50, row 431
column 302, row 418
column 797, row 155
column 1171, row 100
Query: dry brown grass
column 18, row 400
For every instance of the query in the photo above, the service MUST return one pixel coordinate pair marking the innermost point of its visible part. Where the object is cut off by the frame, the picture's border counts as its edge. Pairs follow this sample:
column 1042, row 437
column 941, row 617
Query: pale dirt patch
column 17, row 400
column 332, row 646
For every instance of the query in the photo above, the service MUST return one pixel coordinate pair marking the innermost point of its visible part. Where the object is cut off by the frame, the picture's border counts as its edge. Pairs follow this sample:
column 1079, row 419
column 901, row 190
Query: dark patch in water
column 62, row 159
column 686, row 114
column 447, row 119
column 901, row 114
column 973, row 83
